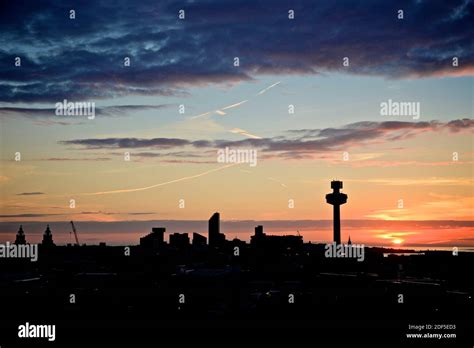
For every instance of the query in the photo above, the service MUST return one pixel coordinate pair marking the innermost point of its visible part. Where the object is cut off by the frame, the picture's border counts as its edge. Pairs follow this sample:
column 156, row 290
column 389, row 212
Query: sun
column 397, row 241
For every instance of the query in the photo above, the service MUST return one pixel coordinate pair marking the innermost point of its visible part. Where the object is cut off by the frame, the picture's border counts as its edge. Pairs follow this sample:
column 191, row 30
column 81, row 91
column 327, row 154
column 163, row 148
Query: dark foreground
column 200, row 295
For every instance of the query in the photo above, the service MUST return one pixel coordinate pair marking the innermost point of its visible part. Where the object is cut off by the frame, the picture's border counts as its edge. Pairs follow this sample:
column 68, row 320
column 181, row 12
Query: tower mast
column 336, row 199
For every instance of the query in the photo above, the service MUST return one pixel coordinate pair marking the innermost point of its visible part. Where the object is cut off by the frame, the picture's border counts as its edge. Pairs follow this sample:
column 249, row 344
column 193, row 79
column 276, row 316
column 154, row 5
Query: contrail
column 201, row 115
column 219, row 111
column 234, row 105
column 244, row 132
column 160, row 184
column 269, row 87
column 273, row 179
column 222, row 113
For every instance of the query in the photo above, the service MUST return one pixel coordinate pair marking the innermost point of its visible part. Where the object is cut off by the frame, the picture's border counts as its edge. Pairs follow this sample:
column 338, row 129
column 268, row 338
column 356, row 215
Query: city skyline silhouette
column 156, row 238
column 202, row 282
column 213, row 173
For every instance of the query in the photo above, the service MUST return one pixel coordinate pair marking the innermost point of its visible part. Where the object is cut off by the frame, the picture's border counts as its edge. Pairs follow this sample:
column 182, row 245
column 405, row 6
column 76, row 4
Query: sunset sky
column 282, row 62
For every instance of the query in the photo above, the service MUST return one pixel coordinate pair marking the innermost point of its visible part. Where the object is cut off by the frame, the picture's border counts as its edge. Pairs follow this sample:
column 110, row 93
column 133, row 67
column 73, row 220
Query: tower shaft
column 336, row 199
column 337, row 223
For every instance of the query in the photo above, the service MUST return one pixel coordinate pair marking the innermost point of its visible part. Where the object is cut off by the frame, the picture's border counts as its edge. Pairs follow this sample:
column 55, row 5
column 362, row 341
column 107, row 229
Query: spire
column 20, row 236
column 349, row 241
column 47, row 237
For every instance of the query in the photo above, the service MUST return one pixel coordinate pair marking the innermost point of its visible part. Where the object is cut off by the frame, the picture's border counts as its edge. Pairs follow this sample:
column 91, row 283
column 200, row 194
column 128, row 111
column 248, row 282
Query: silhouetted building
column 155, row 239
column 216, row 238
column 47, row 238
column 261, row 240
column 349, row 242
column 336, row 199
column 20, row 236
column 179, row 240
column 259, row 230
column 258, row 238
column 242, row 245
column 199, row 239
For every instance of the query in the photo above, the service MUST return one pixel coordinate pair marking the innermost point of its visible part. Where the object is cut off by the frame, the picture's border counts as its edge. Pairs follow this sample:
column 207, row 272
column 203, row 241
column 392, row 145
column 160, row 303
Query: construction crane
column 75, row 232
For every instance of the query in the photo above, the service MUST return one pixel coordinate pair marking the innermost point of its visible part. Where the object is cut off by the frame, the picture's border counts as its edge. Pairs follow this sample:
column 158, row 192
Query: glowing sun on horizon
column 397, row 241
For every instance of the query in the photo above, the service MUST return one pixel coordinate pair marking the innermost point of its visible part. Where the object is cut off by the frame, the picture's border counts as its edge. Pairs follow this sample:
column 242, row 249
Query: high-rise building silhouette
column 199, row 239
column 155, row 239
column 215, row 237
column 179, row 240
column 259, row 231
column 20, row 236
column 47, row 238
column 336, row 199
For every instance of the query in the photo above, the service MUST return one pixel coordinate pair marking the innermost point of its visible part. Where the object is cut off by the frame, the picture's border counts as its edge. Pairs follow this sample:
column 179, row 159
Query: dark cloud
column 307, row 142
column 40, row 113
column 459, row 125
column 114, row 213
column 236, row 226
column 34, row 215
column 163, row 143
column 176, row 157
column 141, row 213
column 82, row 58
column 99, row 159
column 29, row 193
column 185, row 154
column 187, row 162
column 27, row 215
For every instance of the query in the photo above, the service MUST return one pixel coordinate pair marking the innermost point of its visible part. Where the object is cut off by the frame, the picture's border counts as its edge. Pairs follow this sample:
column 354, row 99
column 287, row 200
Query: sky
column 302, row 83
